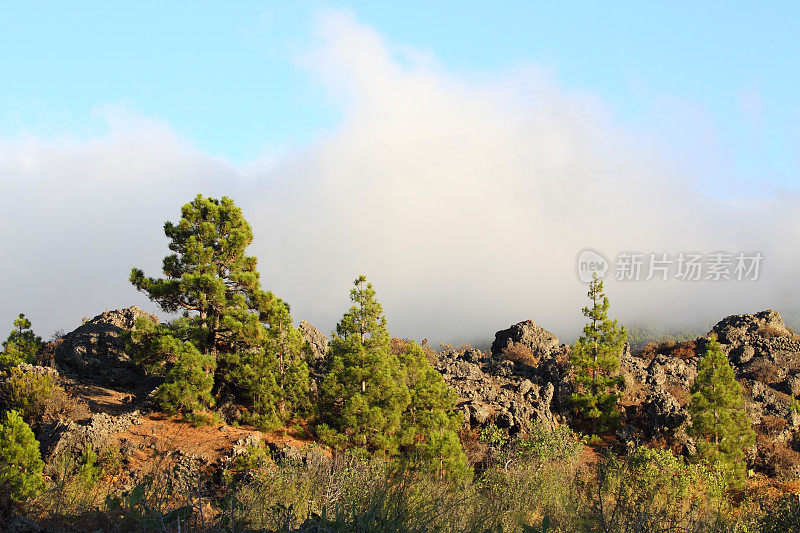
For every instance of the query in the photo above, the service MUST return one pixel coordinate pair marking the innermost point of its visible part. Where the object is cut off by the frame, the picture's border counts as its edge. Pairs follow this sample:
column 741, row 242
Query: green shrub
column 188, row 383
column 28, row 393
column 20, row 462
column 558, row 444
column 652, row 490
column 494, row 436
column 22, row 344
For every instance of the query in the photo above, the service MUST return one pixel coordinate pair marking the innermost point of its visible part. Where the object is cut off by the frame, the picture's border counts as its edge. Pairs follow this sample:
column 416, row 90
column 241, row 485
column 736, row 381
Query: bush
column 29, row 393
column 652, row 490
column 188, row 383
column 782, row 516
column 20, row 462
column 558, row 444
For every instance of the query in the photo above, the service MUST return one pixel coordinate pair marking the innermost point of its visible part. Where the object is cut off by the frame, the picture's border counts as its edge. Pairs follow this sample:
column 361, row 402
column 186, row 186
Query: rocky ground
column 524, row 378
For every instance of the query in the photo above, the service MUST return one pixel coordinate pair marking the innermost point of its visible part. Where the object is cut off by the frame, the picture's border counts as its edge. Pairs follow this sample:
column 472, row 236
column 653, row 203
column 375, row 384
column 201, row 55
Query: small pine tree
column 188, row 383
column 431, row 421
column 22, row 344
column 719, row 422
column 252, row 374
column 595, row 362
column 363, row 394
column 20, row 462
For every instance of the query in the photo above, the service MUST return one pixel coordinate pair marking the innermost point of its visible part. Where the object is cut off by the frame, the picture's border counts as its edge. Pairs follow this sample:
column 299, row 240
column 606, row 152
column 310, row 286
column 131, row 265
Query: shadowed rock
column 95, row 352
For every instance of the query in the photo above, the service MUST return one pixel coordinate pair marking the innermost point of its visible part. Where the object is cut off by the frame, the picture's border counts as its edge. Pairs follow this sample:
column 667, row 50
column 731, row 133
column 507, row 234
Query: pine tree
column 20, row 461
column 595, row 362
column 385, row 401
column 188, row 382
column 22, row 344
column 363, row 394
column 719, row 421
column 210, row 276
column 226, row 314
column 430, row 421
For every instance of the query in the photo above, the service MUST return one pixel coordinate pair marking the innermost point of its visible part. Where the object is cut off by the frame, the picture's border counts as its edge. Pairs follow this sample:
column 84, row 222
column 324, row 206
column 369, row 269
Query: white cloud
column 464, row 199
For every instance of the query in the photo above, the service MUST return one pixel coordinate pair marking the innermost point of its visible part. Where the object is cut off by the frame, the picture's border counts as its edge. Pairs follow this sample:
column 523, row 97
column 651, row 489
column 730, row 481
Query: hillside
column 108, row 410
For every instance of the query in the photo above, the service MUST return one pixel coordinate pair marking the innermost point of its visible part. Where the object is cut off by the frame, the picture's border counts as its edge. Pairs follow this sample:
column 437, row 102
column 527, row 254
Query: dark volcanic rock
column 527, row 334
column 95, row 352
column 513, row 395
column 664, row 414
column 738, row 330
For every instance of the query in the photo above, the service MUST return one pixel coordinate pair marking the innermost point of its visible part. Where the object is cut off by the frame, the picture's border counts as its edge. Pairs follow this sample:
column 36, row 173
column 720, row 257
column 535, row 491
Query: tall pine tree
column 246, row 331
column 719, row 422
column 595, row 362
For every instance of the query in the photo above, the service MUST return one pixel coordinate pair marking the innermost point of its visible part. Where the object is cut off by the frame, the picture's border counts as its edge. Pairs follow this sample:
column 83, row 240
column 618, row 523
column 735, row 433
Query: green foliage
column 493, row 436
column 541, row 443
column 27, row 393
column 149, row 344
column 654, row 491
column 22, row 344
column 794, row 406
column 719, row 421
column 254, row 458
column 430, row 421
column 383, row 402
column 273, row 379
column 20, row 461
column 257, row 353
column 363, row 393
column 595, row 362
column 210, row 276
column 89, row 468
column 187, row 385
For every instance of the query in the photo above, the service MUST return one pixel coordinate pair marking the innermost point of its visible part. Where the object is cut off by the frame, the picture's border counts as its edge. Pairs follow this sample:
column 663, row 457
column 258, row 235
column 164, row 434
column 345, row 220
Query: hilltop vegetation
column 231, row 418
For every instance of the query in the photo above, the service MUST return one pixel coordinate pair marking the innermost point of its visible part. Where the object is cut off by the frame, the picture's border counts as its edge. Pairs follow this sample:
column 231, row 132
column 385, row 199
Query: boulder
column 664, row 414
column 95, row 352
column 315, row 338
column 742, row 329
column 528, row 335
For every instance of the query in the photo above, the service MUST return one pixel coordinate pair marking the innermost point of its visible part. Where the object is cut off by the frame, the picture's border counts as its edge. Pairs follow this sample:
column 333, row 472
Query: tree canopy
column 256, row 353
column 719, row 422
column 595, row 361
column 22, row 344
column 385, row 402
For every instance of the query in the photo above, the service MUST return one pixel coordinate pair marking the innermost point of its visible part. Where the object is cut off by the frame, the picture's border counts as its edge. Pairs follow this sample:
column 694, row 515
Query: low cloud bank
column 464, row 199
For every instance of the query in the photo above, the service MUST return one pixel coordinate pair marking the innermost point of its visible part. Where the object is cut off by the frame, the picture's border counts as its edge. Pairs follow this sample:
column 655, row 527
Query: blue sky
column 457, row 154
column 227, row 78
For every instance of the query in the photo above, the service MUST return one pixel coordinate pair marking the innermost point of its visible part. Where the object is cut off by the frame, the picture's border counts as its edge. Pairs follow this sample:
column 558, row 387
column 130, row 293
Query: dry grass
column 519, row 353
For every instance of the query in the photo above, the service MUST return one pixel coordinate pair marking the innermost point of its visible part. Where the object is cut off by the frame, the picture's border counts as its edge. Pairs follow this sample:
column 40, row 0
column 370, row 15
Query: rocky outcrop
column 73, row 438
column 528, row 336
column 95, row 352
column 315, row 339
column 502, row 388
column 511, row 394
